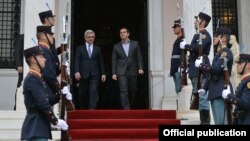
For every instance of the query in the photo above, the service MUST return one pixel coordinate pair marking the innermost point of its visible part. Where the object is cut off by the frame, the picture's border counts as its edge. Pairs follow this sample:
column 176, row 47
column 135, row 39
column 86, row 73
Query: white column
column 156, row 66
column 243, row 24
column 170, row 14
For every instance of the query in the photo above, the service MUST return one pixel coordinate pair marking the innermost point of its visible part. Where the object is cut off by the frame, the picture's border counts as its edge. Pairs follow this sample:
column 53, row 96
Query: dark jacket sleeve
column 19, row 51
column 139, row 56
column 77, row 60
column 49, row 73
column 114, row 61
column 101, row 63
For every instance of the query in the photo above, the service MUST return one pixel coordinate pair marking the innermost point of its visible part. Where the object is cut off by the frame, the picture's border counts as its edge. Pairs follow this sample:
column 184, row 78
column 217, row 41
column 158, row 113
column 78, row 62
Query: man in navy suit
column 89, row 67
column 127, row 63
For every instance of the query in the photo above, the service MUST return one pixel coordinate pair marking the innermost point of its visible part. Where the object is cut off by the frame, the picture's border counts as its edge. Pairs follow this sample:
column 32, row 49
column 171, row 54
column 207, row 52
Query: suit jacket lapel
column 94, row 50
column 123, row 51
column 85, row 50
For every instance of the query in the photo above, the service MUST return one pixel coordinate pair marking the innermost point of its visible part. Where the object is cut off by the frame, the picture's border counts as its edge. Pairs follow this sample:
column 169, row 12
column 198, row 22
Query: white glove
column 180, row 69
column 183, row 43
column 64, row 41
column 198, row 62
column 61, row 124
column 226, row 92
column 66, row 92
column 201, row 92
column 67, row 67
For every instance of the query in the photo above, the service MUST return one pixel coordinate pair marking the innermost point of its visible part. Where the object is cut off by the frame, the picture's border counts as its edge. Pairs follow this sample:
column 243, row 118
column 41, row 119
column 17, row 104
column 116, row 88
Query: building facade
column 151, row 25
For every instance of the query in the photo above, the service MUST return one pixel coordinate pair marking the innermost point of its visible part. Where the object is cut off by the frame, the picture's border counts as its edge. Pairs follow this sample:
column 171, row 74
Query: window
column 9, row 31
column 226, row 12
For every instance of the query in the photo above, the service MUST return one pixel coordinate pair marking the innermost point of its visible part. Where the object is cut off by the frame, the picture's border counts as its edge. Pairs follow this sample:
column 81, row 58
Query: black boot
column 205, row 117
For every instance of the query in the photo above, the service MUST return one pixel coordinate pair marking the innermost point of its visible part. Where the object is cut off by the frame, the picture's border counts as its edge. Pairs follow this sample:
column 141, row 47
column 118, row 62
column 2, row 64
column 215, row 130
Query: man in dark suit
column 88, row 68
column 127, row 63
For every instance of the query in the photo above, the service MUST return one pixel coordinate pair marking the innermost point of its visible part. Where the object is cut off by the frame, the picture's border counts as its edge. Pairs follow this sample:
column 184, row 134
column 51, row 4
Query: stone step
column 11, row 124
column 14, row 135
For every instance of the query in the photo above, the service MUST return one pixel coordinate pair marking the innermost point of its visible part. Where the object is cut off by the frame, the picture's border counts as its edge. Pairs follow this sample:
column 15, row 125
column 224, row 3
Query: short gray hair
column 88, row 32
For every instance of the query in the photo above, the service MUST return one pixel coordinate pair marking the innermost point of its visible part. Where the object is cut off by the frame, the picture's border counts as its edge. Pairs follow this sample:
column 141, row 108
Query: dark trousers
column 19, row 82
column 128, row 87
column 88, row 92
column 20, row 79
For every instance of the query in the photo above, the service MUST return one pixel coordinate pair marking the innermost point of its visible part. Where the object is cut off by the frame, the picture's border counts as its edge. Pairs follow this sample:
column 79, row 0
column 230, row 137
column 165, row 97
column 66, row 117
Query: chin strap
column 243, row 68
column 37, row 63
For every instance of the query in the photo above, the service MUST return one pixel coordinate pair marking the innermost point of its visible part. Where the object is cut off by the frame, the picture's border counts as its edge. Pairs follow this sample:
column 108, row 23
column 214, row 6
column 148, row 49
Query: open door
column 106, row 18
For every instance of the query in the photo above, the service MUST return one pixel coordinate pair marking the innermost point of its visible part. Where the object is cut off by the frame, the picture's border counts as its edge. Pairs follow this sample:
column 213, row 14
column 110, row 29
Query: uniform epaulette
column 244, row 77
column 36, row 73
column 44, row 45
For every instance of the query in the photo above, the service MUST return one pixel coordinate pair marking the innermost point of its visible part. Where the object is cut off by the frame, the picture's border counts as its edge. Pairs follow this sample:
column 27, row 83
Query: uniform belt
column 32, row 111
column 176, row 56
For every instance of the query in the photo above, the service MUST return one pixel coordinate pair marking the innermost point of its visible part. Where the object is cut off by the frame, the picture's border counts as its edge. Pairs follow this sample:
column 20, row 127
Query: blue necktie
column 89, row 50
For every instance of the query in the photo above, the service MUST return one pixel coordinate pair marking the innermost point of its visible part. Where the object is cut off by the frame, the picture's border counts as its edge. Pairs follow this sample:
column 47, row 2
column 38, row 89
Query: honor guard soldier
column 176, row 55
column 202, row 36
column 37, row 100
column 216, row 84
column 48, row 19
column 44, row 36
column 241, row 99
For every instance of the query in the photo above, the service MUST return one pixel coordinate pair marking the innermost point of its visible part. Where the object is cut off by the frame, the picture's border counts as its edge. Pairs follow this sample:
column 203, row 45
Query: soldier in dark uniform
column 201, row 22
column 44, row 36
column 38, row 100
column 217, row 81
column 241, row 99
column 48, row 19
column 176, row 55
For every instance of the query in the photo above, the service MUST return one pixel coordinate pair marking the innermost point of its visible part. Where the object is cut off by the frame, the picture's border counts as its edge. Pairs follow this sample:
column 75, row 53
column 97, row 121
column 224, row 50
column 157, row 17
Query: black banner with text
column 200, row 132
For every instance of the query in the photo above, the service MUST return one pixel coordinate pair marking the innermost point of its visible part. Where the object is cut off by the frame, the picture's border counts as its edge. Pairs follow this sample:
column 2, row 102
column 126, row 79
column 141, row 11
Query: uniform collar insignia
column 36, row 73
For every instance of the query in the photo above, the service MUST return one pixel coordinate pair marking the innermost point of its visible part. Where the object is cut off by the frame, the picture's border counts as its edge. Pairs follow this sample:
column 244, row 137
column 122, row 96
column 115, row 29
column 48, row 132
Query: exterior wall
column 243, row 24
column 161, row 13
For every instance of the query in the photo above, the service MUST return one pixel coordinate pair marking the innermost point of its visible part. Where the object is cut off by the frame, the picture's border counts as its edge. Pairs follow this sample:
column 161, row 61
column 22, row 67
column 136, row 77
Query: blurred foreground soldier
column 200, row 24
column 176, row 56
column 241, row 99
column 216, row 83
column 38, row 101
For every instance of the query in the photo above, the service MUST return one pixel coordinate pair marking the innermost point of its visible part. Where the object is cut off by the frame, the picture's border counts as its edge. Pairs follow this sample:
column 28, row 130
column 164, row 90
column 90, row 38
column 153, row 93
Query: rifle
column 65, row 78
column 228, row 106
column 197, row 79
column 183, row 65
column 216, row 46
